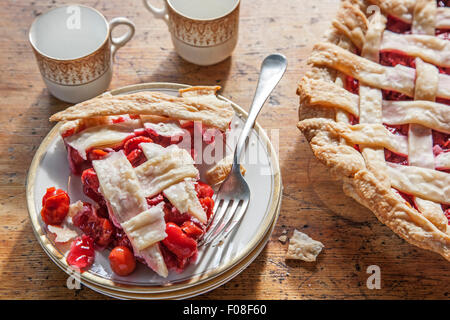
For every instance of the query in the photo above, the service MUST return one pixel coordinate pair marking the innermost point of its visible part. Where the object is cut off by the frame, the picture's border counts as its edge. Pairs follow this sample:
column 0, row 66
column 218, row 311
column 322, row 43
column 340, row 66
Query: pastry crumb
column 302, row 247
column 282, row 239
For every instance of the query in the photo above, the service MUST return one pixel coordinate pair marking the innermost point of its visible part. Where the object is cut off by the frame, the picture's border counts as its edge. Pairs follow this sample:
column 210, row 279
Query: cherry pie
column 375, row 108
column 148, row 203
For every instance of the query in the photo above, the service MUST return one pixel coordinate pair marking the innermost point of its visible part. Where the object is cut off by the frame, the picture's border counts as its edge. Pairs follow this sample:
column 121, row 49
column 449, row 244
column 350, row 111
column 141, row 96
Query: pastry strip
column 424, row 17
column 398, row 78
column 369, row 134
column 340, row 114
column 370, row 99
column 121, row 189
column 404, row 11
column 147, row 228
column 443, row 18
column 99, row 137
column 164, row 167
column 195, row 104
column 420, row 139
column 442, row 160
column 429, row 48
column 184, row 197
column 421, row 182
column 426, row 113
column 327, row 94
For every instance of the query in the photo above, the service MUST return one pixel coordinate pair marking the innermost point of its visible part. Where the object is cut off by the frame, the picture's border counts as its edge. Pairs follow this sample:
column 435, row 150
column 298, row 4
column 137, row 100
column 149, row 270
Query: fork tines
column 227, row 213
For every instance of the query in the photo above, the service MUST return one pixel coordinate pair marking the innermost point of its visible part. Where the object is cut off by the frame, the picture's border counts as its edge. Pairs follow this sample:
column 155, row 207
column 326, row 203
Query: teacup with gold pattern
column 203, row 32
column 74, row 50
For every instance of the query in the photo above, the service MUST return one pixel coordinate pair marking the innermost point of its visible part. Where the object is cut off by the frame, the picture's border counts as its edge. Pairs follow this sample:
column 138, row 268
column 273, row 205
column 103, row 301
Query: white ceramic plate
column 197, row 289
column 50, row 168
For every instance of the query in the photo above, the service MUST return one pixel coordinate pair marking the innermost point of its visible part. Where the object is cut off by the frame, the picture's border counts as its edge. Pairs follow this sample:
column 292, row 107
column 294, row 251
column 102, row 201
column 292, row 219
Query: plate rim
column 57, row 258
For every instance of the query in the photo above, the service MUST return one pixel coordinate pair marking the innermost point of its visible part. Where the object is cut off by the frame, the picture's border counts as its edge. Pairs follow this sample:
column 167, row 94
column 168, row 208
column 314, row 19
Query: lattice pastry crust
column 195, row 103
column 326, row 109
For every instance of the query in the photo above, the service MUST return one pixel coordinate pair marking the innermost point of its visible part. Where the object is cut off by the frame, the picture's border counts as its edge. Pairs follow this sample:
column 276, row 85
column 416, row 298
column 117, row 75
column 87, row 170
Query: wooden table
column 312, row 202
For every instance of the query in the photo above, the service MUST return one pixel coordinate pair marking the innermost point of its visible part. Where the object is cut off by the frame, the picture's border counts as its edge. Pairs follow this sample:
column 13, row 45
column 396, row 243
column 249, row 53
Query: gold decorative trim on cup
column 203, row 33
column 77, row 71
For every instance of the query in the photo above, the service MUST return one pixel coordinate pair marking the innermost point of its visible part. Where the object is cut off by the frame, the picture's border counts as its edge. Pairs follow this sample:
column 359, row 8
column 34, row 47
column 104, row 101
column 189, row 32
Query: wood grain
column 312, row 202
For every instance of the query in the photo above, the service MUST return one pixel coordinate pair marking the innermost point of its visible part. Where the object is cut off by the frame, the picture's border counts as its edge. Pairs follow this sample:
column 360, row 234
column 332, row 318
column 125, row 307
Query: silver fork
column 233, row 196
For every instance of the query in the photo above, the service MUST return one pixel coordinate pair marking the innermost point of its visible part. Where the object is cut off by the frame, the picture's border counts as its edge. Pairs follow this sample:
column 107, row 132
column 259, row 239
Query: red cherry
column 136, row 157
column 133, row 143
column 192, row 230
column 55, row 206
column 121, row 239
column 96, row 154
column 178, row 242
column 82, row 253
column 122, row 261
column 203, row 190
column 208, row 205
column 171, row 214
column 91, row 186
column 155, row 200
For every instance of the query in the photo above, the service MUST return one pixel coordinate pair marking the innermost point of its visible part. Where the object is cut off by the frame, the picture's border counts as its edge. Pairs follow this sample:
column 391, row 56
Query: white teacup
column 74, row 49
column 203, row 32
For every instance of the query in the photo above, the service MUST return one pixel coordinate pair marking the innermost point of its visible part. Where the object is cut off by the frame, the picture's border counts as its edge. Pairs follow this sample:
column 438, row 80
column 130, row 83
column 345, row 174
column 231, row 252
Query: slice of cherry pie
column 375, row 108
column 137, row 167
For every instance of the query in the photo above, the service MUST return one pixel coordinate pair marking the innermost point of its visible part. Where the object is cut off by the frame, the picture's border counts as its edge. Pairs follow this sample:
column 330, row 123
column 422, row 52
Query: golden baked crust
column 325, row 108
column 195, row 104
column 220, row 171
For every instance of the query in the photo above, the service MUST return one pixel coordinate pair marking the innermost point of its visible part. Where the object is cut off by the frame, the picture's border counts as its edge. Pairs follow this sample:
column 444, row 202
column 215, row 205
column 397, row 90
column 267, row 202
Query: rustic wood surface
column 312, row 202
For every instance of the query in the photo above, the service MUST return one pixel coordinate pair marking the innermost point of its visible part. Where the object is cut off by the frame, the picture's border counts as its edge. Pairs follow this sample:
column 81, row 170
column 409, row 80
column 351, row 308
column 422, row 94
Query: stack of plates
column 215, row 264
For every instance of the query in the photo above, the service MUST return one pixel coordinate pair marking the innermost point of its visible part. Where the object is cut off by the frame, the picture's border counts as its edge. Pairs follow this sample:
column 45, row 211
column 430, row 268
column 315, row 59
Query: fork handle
column 272, row 69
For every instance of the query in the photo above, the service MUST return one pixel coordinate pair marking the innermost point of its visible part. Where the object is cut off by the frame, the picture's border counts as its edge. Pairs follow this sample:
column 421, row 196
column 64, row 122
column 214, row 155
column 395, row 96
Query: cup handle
column 159, row 13
column 118, row 42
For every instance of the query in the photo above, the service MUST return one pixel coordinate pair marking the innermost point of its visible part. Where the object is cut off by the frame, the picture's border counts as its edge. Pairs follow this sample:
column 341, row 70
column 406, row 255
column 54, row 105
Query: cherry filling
column 179, row 248
column 391, row 156
column 82, row 253
column 99, row 228
column 394, row 24
column 391, row 58
column 143, row 135
column 441, row 142
column 399, row 26
column 183, row 231
column 446, row 209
